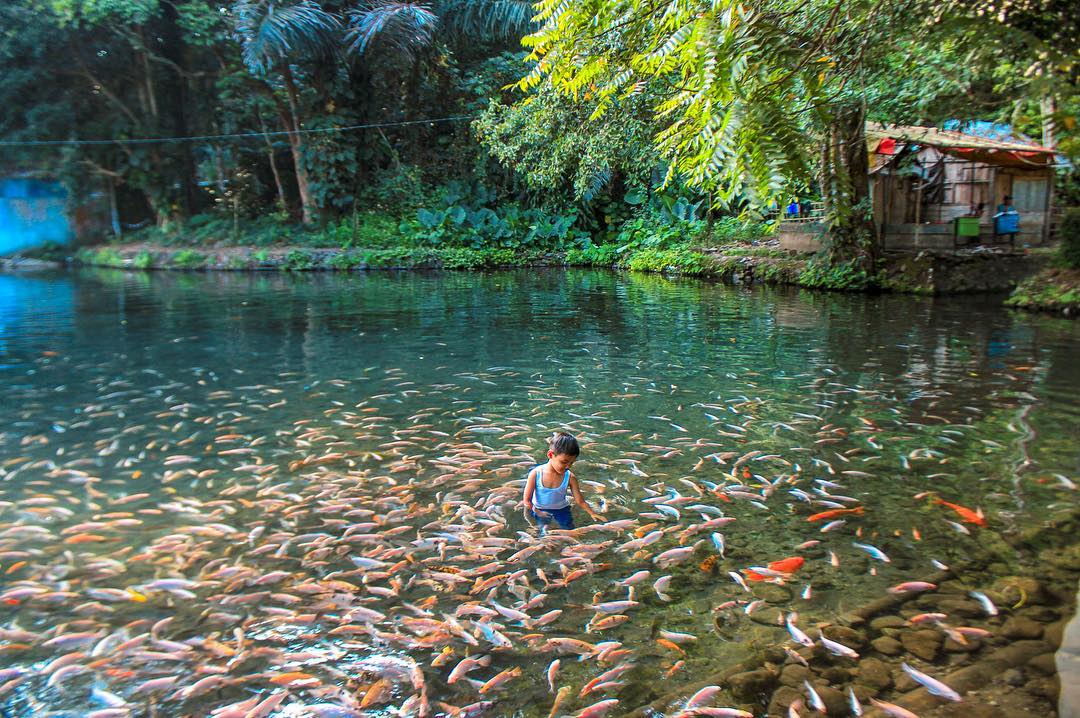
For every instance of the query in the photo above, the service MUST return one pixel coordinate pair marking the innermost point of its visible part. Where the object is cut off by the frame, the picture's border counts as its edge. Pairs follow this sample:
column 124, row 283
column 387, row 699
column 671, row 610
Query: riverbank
column 924, row 273
column 1051, row 290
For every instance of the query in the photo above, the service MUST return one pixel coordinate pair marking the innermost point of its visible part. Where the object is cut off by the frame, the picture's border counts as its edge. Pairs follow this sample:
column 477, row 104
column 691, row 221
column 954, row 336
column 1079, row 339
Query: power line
column 211, row 138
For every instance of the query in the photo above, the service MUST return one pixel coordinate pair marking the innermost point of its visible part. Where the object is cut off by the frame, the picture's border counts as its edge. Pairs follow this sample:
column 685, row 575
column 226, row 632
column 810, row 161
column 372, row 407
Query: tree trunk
column 852, row 236
column 296, row 144
column 273, row 164
column 1047, row 108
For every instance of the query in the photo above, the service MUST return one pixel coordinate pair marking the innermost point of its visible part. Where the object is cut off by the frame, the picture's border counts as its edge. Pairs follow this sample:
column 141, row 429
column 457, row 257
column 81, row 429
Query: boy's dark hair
column 563, row 443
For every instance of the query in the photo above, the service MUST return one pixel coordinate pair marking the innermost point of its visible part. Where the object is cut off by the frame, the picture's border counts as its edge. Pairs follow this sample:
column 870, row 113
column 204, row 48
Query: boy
column 545, row 490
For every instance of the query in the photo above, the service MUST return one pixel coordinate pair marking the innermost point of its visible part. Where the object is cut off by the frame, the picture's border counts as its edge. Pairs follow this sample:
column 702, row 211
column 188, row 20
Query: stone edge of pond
column 1055, row 290
column 924, row 273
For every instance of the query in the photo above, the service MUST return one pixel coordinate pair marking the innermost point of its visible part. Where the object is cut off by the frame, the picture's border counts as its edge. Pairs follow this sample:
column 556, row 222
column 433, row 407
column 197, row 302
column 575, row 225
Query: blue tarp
column 32, row 212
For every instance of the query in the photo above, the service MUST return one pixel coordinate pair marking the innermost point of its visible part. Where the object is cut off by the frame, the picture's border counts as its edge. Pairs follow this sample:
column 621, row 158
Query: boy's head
column 563, row 451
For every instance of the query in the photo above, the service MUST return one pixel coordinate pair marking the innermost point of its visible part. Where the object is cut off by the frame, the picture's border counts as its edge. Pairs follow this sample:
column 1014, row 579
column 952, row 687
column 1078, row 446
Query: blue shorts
column 564, row 517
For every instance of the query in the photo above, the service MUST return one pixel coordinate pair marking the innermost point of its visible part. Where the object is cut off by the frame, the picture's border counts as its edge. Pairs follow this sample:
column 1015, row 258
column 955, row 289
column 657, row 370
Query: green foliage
column 188, row 259
column 99, row 256
column 1069, row 231
column 298, row 260
column 463, row 219
column 649, row 229
column 143, row 260
column 850, row 276
column 1055, row 289
column 597, row 255
column 735, row 230
column 681, row 260
column 550, row 140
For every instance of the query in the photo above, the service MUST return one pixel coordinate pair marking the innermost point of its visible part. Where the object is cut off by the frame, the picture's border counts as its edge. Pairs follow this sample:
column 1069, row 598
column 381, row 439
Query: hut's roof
column 886, row 140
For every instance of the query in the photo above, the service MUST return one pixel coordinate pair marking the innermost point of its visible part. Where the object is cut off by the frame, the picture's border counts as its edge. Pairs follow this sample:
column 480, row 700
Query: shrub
column 143, row 260
column 1069, row 250
column 188, row 259
column 681, row 260
column 819, row 274
column 298, row 261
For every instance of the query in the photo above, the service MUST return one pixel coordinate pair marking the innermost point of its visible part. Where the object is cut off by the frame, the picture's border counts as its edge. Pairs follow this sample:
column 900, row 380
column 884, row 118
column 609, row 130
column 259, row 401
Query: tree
column 274, row 35
column 754, row 98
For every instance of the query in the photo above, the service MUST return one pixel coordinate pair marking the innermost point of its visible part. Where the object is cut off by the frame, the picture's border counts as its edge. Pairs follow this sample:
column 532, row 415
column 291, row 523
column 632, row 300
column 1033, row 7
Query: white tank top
column 546, row 498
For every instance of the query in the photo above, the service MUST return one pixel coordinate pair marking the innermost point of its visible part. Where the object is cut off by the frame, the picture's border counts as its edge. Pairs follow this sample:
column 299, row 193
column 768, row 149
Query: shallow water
column 264, row 416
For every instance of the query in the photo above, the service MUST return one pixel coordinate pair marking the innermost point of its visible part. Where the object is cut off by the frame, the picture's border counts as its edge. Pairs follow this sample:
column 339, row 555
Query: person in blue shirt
column 1007, row 220
column 545, row 498
column 793, row 208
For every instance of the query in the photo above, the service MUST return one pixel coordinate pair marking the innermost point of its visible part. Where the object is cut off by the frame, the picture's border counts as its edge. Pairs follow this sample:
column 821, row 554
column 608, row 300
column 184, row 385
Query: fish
column 499, row 679
column 797, row 634
column 836, row 648
column 988, row 606
column 552, row 671
column 853, row 703
column 815, row 700
column 892, row 709
column 933, row 685
column 465, row 666
column 560, row 698
column 912, row 587
column 872, row 550
column 966, row 515
column 598, row 709
column 857, row 511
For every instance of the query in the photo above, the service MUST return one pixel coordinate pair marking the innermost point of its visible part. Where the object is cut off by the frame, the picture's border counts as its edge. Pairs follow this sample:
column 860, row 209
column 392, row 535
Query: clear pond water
column 301, row 491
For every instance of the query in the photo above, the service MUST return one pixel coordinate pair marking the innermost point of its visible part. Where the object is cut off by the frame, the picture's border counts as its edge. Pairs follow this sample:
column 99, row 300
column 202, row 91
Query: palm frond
column 405, row 26
column 491, row 20
column 271, row 31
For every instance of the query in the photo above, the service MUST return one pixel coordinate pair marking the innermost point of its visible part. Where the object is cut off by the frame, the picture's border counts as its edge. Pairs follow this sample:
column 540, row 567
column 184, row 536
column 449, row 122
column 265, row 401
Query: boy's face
column 560, row 462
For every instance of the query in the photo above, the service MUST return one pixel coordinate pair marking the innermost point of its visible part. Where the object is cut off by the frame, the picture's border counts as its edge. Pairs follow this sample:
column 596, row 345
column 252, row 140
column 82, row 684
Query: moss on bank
column 916, row 274
column 1052, row 290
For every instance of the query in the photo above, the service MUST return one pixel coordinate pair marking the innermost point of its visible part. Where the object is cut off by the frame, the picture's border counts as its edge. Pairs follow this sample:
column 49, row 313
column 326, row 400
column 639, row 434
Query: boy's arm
column 576, row 491
column 527, row 496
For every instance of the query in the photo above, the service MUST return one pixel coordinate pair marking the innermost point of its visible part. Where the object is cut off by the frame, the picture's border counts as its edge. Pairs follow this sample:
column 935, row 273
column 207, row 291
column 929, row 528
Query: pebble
column 882, row 622
column 1046, row 664
column 1013, row 677
column 874, row 673
column 751, row 685
column 923, row 643
column 772, row 593
column 887, row 646
column 1019, row 627
column 794, row 674
column 782, row 698
column 848, row 636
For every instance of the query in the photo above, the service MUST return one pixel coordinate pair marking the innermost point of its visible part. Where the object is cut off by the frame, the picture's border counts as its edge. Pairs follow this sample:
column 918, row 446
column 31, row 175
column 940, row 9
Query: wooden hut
column 939, row 189
column 932, row 187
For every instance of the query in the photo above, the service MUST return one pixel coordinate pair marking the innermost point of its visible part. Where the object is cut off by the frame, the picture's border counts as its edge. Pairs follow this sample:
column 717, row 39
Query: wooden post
column 1048, row 218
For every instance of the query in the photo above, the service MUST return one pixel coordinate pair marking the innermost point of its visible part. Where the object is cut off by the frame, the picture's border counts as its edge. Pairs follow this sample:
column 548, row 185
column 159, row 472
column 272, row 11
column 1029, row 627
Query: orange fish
column 754, row 575
column 858, row 510
column 966, row 515
column 285, row 679
column 670, row 645
column 84, row 538
column 708, row 564
column 787, row 565
column 15, row 567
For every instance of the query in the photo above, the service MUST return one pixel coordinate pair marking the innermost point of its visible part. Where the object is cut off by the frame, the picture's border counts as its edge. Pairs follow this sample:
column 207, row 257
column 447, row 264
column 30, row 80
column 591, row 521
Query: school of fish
column 175, row 558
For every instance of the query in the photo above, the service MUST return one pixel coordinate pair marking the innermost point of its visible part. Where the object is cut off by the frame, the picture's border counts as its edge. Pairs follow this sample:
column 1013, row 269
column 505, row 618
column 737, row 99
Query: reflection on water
column 302, row 490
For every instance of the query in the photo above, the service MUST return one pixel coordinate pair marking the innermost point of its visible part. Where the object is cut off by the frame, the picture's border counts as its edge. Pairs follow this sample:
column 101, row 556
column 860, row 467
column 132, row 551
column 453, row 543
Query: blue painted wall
column 32, row 212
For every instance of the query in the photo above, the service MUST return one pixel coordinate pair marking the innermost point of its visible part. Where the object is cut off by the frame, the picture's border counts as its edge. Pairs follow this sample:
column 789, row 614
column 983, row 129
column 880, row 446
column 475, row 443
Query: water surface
column 252, row 434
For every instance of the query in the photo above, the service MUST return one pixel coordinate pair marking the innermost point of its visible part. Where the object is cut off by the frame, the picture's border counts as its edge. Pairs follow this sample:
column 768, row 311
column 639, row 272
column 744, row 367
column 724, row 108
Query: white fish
column 853, row 702
column 838, row 649
column 932, row 684
column 797, row 634
column 815, row 700
column 984, row 600
column 872, row 550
